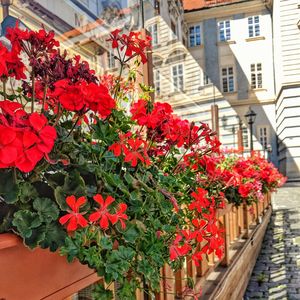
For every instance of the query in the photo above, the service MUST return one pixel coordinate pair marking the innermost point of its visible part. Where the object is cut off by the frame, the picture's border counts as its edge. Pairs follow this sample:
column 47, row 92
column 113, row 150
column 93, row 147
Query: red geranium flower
column 75, row 218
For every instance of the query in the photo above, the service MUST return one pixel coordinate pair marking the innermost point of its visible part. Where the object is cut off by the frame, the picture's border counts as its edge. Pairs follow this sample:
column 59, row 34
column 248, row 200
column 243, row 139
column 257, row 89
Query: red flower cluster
column 133, row 149
column 102, row 214
column 166, row 129
column 24, row 138
column 10, row 64
column 82, row 96
column 32, row 42
column 203, row 228
column 132, row 44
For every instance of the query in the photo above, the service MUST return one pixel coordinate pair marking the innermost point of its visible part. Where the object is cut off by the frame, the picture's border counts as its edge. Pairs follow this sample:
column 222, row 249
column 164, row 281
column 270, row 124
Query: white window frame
column 157, row 82
column 111, row 61
column 263, row 134
column 245, row 137
column 153, row 29
column 224, row 28
column 194, row 35
column 176, row 80
column 229, row 78
column 254, row 26
column 256, row 76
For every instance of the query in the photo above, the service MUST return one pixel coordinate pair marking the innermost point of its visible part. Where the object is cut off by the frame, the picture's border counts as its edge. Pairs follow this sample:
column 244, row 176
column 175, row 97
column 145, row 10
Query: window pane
column 258, row 67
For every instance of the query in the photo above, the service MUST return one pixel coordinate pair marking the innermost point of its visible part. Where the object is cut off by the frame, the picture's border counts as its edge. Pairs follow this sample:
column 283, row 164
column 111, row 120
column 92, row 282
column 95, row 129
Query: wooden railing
column 238, row 224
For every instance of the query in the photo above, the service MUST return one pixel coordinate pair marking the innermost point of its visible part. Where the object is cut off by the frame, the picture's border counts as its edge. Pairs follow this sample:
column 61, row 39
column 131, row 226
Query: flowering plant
column 122, row 191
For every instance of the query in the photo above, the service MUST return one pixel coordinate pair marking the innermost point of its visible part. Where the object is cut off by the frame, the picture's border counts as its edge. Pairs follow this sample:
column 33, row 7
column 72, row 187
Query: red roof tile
column 199, row 4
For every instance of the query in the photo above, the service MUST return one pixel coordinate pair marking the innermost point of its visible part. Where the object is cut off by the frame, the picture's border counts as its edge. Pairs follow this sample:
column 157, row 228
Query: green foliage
column 9, row 190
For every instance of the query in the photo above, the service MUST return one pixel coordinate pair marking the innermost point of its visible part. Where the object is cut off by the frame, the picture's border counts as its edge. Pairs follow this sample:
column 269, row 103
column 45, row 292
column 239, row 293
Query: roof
column 190, row 5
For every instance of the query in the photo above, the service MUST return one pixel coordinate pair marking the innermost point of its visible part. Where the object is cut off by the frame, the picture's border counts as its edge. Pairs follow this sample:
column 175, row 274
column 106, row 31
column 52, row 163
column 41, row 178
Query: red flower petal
column 8, row 154
column 104, row 222
column 37, row 121
column 63, row 220
column 95, row 216
column 71, row 201
column 29, row 138
column 72, row 226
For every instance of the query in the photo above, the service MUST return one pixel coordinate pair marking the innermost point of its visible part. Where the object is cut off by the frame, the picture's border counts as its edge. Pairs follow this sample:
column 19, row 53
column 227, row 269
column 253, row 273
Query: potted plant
column 123, row 191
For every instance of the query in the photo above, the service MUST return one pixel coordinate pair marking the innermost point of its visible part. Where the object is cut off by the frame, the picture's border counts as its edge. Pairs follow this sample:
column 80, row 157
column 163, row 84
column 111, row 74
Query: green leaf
column 27, row 192
column 106, row 243
column 54, row 237
column 47, row 209
column 9, row 189
column 37, row 236
column 73, row 185
column 131, row 234
column 25, row 221
column 100, row 293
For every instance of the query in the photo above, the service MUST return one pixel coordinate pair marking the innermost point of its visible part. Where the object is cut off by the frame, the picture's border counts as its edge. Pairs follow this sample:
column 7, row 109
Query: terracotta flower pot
column 38, row 274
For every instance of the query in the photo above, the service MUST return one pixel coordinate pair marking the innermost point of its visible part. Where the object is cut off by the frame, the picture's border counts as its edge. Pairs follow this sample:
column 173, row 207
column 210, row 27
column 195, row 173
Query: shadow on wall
column 192, row 88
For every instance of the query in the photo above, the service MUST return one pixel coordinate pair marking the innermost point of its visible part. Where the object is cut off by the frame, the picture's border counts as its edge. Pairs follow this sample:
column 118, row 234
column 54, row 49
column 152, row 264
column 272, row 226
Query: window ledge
column 197, row 46
column 223, row 43
column 255, row 38
column 176, row 93
column 258, row 90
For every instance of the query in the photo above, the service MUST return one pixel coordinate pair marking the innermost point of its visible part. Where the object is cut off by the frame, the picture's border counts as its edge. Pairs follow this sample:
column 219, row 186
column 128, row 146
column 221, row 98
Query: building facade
column 230, row 53
column 286, row 24
column 232, row 42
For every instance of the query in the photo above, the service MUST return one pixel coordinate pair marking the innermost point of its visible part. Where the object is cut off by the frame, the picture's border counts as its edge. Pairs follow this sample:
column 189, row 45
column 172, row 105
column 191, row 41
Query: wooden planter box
column 38, row 274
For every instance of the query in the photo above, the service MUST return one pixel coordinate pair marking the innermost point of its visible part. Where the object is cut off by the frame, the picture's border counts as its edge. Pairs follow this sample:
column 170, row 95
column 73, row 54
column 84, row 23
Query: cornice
column 224, row 10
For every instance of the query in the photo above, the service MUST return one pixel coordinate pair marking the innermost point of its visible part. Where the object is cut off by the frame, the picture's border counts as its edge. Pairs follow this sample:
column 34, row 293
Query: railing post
column 246, row 219
column 226, row 259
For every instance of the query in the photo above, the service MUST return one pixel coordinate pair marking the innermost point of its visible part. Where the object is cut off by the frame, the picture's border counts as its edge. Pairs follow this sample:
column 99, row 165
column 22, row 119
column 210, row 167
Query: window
column 245, row 137
column 253, row 26
column 154, row 34
column 256, row 76
column 227, row 79
column 156, row 81
column 224, row 31
column 194, row 36
column 111, row 60
column 177, row 76
column 206, row 79
column 263, row 135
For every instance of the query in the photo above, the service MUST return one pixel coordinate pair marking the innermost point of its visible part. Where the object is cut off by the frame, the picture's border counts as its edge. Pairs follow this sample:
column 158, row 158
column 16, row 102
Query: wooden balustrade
column 238, row 224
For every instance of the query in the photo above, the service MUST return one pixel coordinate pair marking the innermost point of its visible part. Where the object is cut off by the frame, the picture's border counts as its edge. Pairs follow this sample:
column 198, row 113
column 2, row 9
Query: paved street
column 277, row 272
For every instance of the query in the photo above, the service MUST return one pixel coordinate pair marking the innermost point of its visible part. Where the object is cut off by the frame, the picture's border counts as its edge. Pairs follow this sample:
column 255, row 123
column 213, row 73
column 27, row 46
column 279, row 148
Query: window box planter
column 38, row 274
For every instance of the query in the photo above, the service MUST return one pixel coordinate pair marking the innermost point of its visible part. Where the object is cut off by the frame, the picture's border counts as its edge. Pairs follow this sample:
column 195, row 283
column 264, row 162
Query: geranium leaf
column 38, row 235
column 131, row 234
column 9, row 190
column 101, row 293
column 105, row 243
column 25, row 221
column 54, row 237
column 46, row 209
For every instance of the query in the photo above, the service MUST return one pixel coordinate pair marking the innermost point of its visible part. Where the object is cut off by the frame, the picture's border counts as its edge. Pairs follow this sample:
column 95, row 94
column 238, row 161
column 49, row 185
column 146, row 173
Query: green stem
column 33, row 92
column 44, row 98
